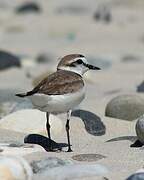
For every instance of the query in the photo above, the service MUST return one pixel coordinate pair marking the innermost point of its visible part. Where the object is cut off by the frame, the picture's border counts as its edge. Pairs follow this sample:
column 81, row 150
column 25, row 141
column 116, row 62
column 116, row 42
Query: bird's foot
column 50, row 149
column 69, row 150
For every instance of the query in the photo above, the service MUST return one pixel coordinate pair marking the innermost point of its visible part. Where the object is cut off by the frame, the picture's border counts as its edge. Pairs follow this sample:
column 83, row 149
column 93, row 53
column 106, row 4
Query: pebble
column 140, row 129
column 126, row 107
column 18, row 149
column 131, row 58
column 28, row 7
column 44, row 58
column 88, row 157
column 103, row 13
column 48, row 163
column 31, row 121
column 136, row 176
column 8, row 60
column 75, row 171
column 14, row 168
column 140, row 88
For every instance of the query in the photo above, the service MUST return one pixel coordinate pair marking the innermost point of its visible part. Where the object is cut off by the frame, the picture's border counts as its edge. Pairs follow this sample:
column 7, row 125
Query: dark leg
column 67, row 130
column 48, row 128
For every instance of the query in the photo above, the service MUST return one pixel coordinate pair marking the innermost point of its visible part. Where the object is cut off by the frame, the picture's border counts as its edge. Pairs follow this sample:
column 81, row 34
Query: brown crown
column 66, row 60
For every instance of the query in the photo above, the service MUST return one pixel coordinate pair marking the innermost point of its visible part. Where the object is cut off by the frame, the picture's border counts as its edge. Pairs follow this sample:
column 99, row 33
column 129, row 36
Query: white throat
column 75, row 70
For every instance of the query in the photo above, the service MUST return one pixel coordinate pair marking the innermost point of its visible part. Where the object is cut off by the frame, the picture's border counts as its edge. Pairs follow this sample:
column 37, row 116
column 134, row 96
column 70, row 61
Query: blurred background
column 35, row 34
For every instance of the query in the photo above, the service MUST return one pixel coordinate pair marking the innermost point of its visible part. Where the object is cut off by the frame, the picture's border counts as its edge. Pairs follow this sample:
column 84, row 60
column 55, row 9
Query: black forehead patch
column 81, row 55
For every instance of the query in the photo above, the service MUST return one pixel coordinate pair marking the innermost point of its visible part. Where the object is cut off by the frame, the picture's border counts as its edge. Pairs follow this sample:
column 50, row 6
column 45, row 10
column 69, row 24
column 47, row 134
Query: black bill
column 92, row 67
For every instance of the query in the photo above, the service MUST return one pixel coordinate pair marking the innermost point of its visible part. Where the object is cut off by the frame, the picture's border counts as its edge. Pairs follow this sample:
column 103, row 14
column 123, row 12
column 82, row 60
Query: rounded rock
column 88, row 157
column 12, row 168
column 140, row 88
column 8, row 60
column 126, row 107
column 103, row 13
column 140, row 129
column 44, row 58
column 29, row 7
column 31, row 121
column 136, row 176
column 75, row 171
column 46, row 164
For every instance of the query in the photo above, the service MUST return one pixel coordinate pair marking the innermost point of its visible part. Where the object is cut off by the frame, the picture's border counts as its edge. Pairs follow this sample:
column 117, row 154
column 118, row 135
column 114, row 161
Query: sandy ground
column 50, row 32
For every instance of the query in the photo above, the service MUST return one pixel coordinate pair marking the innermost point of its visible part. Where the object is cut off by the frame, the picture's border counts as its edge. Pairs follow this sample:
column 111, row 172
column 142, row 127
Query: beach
column 102, row 128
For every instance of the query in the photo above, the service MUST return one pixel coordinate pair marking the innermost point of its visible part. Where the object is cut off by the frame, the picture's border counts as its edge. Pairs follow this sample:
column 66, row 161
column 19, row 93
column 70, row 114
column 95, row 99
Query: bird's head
column 76, row 63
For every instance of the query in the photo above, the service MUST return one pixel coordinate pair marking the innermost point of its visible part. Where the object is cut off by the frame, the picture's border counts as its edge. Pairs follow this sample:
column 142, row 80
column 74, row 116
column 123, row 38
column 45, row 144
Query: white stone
column 25, row 149
column 125, row 106
column 14, row 168
column 75, row 171
column 31, row 121
column 140, row 129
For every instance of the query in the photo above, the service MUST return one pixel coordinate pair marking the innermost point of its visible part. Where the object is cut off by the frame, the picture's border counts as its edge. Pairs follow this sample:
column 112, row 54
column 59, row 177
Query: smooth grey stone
column 30, row 121
column 43, row 58
column 137, row 176
column 75, row 171
column 13, row 168
column 103, row 13
column 140, row 88
column 140, row 129
column 126, row 107
column 48, row 163
column 8, row 60
column 88, row 157
column 131, row 58
column 28, row 7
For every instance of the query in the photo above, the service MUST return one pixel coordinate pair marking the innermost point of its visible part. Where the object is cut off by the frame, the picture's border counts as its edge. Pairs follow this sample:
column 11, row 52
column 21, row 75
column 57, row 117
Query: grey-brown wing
column 58, row 83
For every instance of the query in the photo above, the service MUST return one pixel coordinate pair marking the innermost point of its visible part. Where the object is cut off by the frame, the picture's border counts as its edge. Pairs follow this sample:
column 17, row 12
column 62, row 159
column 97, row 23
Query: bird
column 61, row 91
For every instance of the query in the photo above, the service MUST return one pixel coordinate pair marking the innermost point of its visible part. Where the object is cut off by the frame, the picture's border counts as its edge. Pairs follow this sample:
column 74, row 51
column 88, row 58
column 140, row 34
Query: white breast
column 57, row 103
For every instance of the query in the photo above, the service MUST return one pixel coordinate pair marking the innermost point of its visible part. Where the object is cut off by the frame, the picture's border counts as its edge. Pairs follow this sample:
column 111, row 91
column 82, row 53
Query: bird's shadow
column 92, row 122
column 46, row 143
column 135, row 142
column 122, row 138
column 93, row 125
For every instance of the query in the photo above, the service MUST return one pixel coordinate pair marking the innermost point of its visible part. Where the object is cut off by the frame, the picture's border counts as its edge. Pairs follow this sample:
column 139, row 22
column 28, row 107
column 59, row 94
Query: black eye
column 79, row 61
column 81, row 55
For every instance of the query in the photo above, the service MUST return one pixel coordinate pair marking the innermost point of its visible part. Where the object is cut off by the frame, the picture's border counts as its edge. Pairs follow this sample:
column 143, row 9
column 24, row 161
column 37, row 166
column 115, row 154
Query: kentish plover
column 61, row 91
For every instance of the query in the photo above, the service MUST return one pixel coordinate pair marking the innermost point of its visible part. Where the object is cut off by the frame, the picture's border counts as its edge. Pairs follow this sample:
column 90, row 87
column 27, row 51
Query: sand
column 65, row 33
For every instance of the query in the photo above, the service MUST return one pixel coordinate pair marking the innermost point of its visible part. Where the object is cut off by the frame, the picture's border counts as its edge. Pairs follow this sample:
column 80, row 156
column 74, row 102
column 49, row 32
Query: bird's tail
column 21, row 95
column 29, row 93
